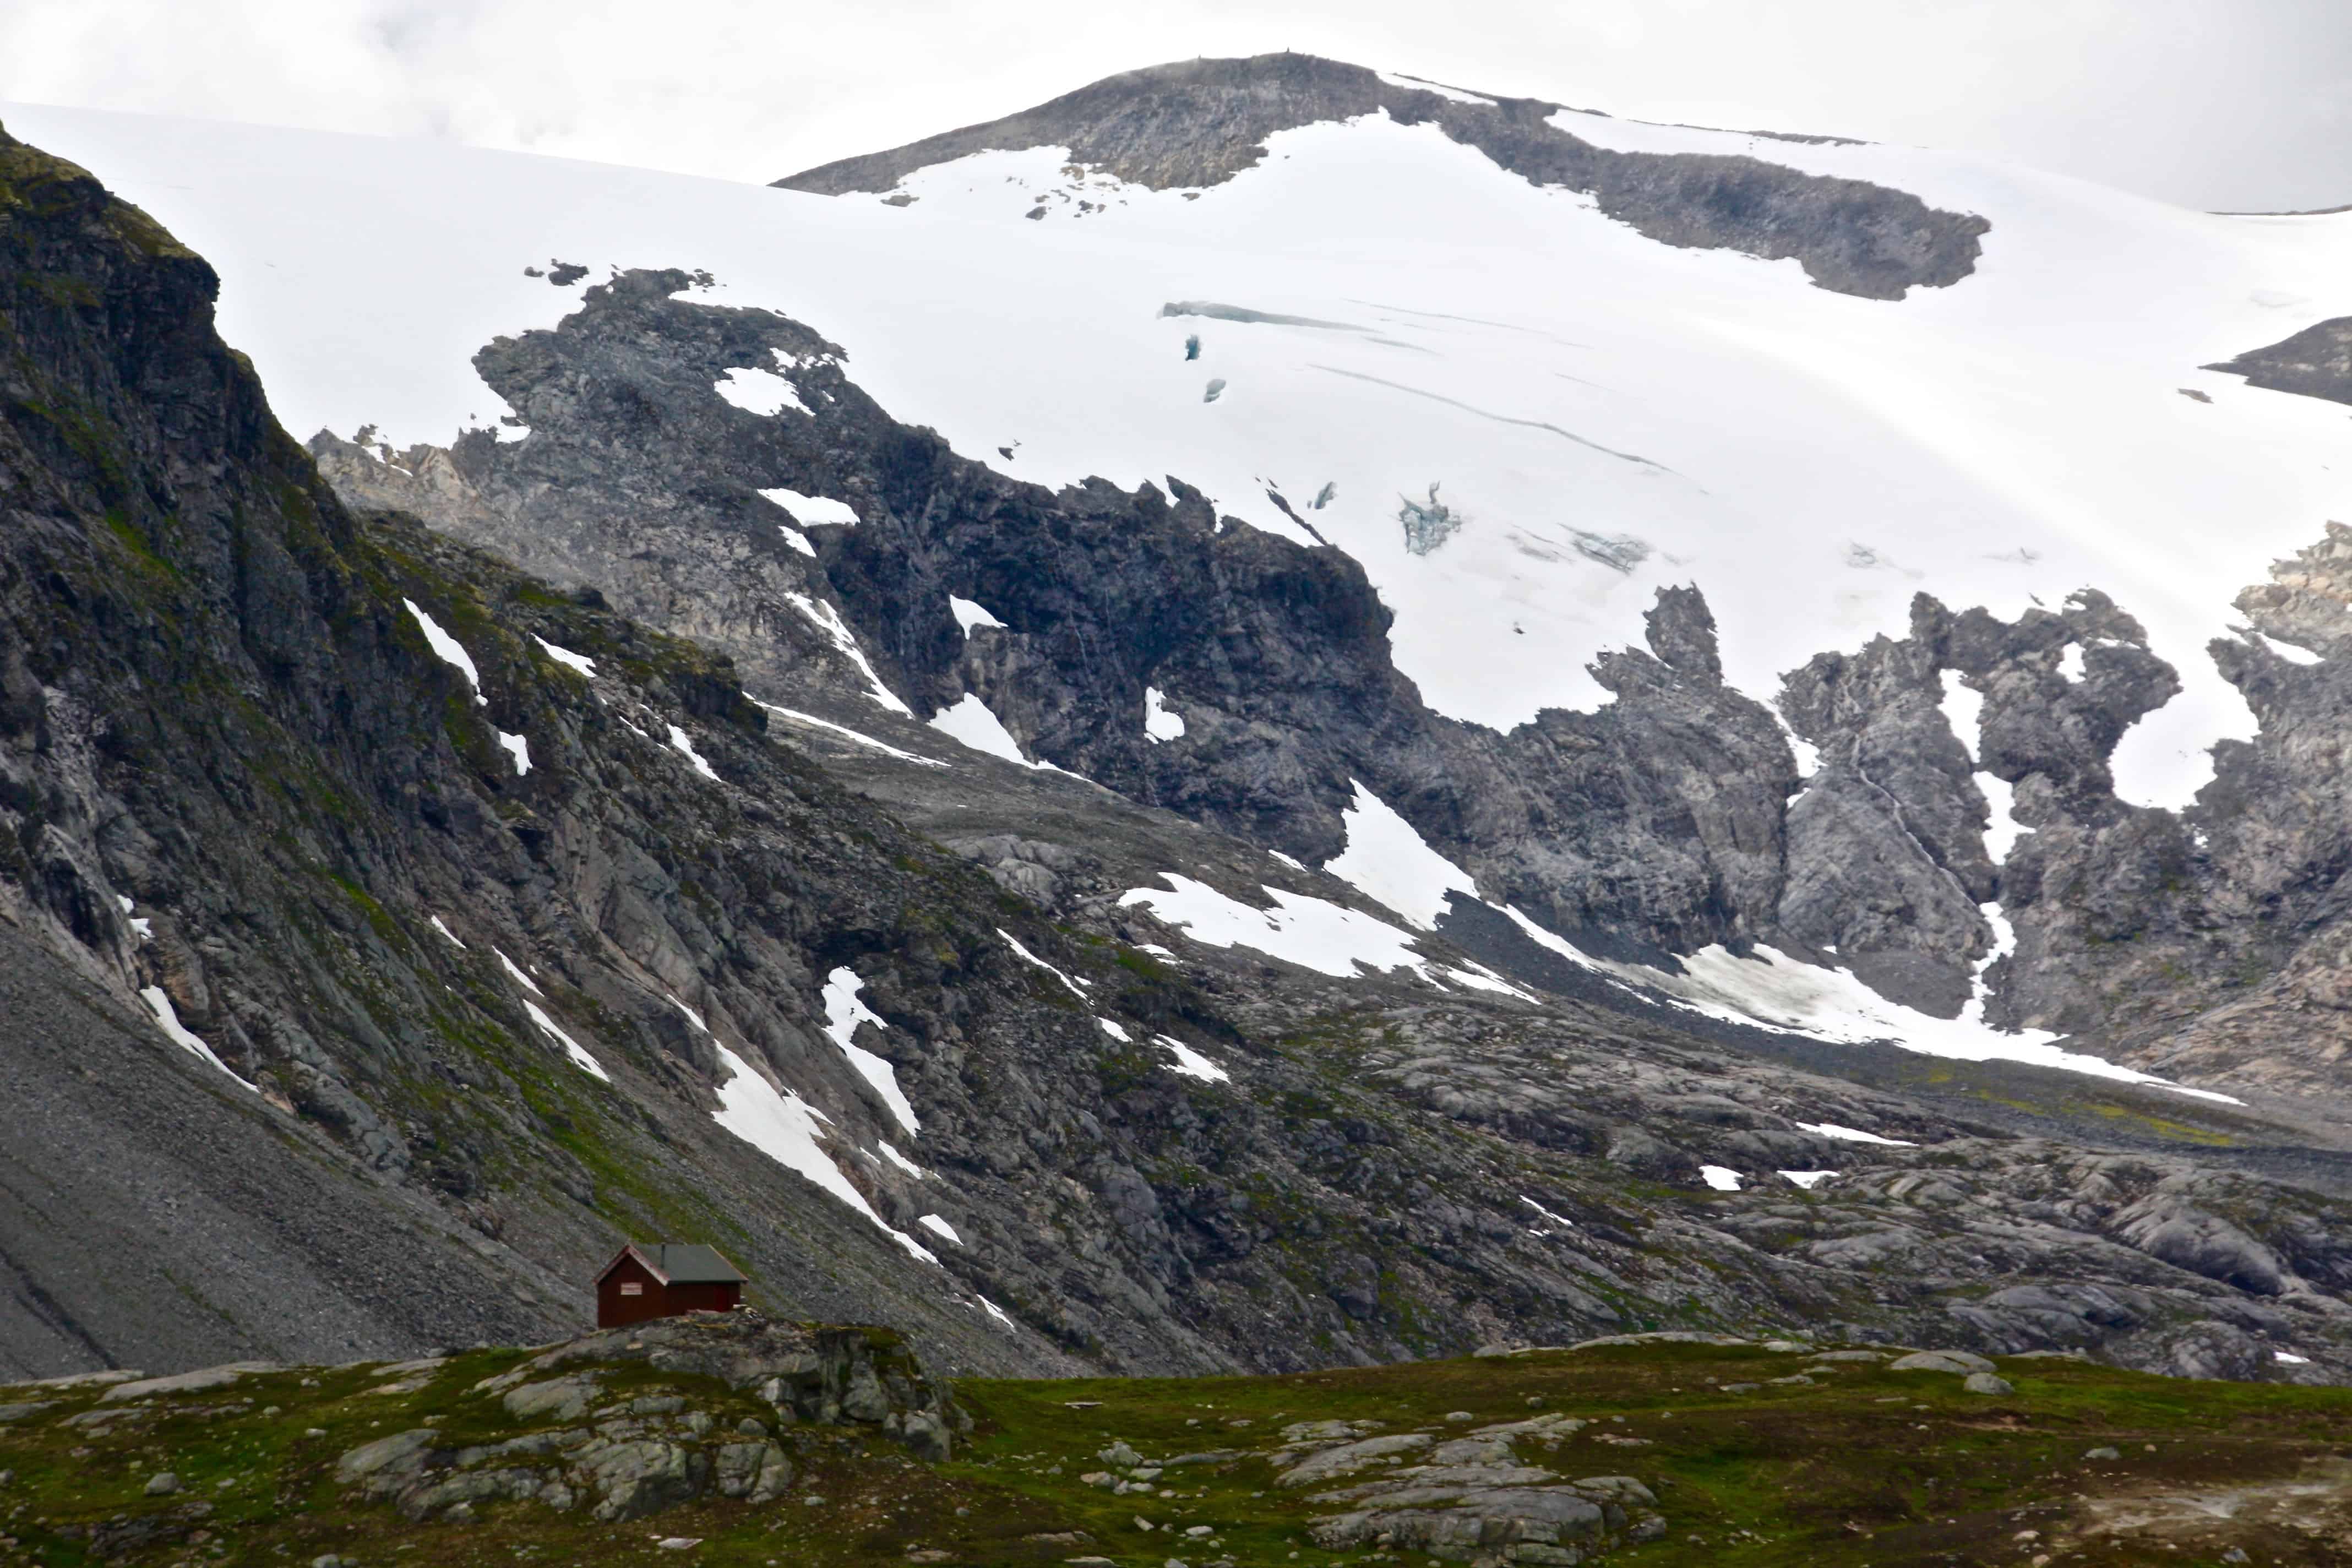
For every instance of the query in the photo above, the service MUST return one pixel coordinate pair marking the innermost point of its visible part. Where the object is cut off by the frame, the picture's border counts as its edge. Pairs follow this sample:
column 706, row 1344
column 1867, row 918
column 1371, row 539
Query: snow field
column 2017, row 435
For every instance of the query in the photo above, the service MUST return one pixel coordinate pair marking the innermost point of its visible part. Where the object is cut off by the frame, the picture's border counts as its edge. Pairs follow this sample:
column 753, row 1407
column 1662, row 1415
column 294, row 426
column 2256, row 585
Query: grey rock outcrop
column 625, row 1457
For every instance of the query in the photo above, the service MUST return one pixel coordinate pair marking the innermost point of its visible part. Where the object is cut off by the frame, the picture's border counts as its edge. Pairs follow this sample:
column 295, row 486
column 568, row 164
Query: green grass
column 1864, row 1466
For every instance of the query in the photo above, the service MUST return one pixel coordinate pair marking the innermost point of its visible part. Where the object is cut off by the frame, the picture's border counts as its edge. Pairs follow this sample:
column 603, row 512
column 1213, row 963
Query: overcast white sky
column 2216, row 103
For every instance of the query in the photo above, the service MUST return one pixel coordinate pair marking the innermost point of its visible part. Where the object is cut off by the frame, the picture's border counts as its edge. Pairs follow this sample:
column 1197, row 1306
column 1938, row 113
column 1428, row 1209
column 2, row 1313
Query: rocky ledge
column 628, row 1421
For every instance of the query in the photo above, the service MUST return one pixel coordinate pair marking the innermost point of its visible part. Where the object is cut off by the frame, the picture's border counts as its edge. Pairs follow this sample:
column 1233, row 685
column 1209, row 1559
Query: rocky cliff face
column 265, row 777
column 1672, row 818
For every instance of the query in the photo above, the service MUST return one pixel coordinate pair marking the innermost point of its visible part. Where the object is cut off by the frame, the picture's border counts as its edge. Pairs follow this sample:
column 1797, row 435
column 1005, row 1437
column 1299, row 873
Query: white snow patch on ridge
column 811, row 512
column 1963, row 709
column 518, row 976
column 969, row 614
column 518, row 747
column 1853, row 1134
column 1387, row 862
column 784, row 1128
column 1780, row 992
column 167, row 1019
column 1161, row 722
column 1308, row 932
column 448, row 649
column 1414, row 82
column 572, row 1048
column 564, row 656
column 971, row 722
column 845, row 731
column 683, row 743
column 761, row 392
column 836, row 630
column 1722, row 1178
column 2004, row 830
column 2289, row 651
column 1077, row 987
column 842, row 1015
column 1192, row 1063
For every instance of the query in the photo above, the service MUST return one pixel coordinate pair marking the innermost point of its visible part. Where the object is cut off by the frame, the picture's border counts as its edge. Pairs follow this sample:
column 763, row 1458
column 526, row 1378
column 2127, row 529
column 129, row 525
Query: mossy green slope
column 1756, row 1455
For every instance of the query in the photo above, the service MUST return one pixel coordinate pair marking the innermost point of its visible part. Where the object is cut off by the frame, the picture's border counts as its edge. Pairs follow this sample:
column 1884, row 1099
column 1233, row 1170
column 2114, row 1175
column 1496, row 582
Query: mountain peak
column 1197, row 123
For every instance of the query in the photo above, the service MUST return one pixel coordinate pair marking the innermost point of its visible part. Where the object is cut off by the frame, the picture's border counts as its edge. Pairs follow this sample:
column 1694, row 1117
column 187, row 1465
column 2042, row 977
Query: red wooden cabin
column 664, row 1279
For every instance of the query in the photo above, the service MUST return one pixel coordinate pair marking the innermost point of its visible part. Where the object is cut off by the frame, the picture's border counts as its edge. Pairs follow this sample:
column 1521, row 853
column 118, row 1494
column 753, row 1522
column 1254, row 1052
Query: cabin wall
column 617, row 1306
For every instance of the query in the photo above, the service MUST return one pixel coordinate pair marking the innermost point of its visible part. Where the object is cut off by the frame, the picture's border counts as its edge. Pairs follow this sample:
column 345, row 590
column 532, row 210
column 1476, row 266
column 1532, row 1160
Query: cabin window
column 632, row 1287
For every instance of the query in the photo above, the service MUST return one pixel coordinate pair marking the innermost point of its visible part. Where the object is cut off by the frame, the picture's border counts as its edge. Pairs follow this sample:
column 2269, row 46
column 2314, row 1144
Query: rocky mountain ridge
column 550, row 984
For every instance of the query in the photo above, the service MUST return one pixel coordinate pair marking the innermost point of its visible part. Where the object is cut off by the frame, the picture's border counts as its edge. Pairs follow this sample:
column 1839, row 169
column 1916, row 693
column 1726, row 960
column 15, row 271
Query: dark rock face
column 1200, row 122
column 2316, row 362
column 1654, row 821
column 1658, row 824
column 215, row 702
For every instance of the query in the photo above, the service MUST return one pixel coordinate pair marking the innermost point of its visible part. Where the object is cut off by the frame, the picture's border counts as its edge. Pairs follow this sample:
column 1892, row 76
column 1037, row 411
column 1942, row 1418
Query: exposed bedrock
column 1668, row 819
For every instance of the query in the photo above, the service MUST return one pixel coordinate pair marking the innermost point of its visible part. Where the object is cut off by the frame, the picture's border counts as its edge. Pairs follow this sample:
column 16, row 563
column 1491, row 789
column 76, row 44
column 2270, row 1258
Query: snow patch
column 759, row 392
column 1722, row 1178
column 1963, row 711
column 564, row 656
column 682, row 744
column 1777, row 991
column 2289, row 651
column 1115, row 1031
column 572, row 1048
column 797, row 540
column 1808, row 1180
column 971, row 722
column 167, row 1019
column 970, row 615
column 890, row 1153
column 518, row 748
column 1478, row 977
column 848, row 733
column 813, row 511
column 2004, row 830
column 842, row 1015
column 1555, row 1220
column 520, row 977
column 1853, row 1135
column 2288, row 1358
column 1311, row 932
column 996, row 1312
column 1192, row 1063
column 785, row 1128
column 1417, row 85
column 1161, row 722
column 940, row 1227
column 1077, row 987
column 836, row 630
column 448, row 649
column 1387, row 862
column 445, row 931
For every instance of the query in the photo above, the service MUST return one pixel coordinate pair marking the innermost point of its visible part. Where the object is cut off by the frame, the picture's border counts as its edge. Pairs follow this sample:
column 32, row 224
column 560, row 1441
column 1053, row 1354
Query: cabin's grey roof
column 680, row 1263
